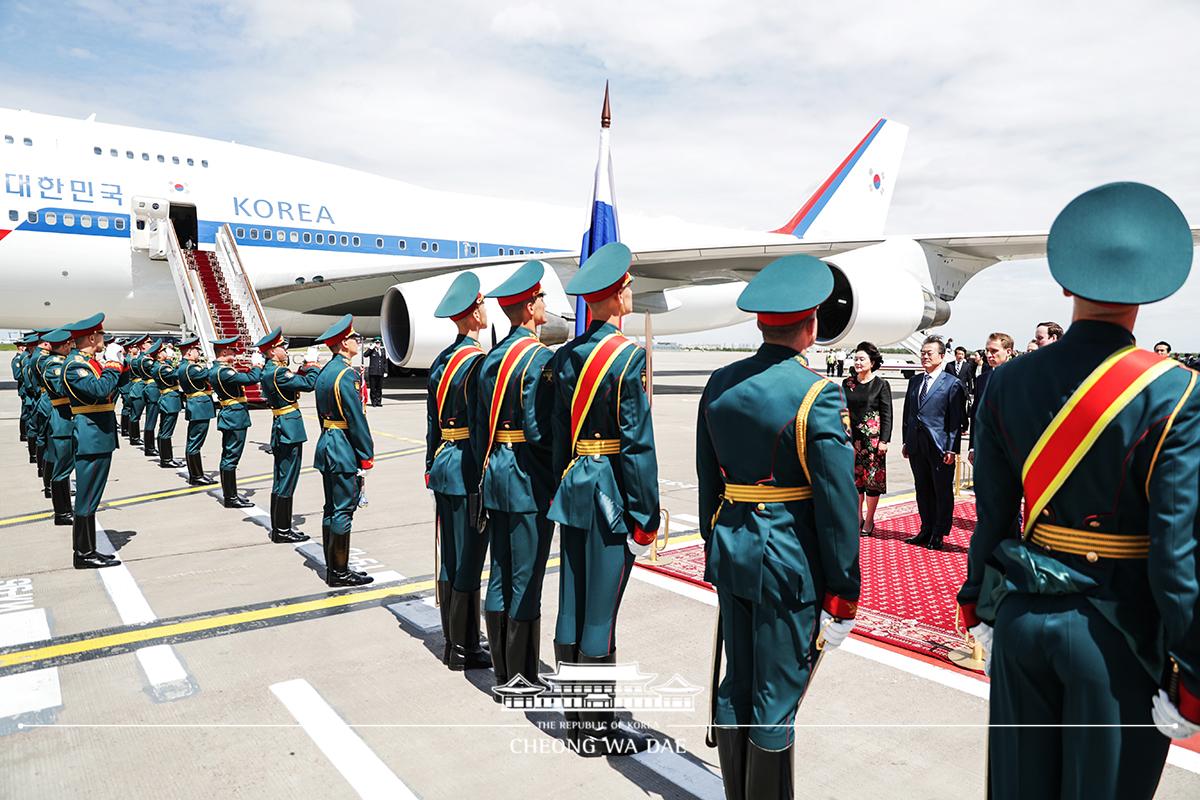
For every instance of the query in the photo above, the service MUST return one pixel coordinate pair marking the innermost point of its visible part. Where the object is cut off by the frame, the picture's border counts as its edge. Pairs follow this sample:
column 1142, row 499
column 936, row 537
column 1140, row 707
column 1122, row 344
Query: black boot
column 443, row 597
column 60, row 493
column 166, row 455
column 91, row 523
column 281, row 522
column 569, row 654
column 611, row 738
column 21, row 428
column 135, row 434
column 465, row 652
column 497, row 635
column 47, row 473
column 521, row 649
column 39, row 459
column 196, row 476
column 731, row 752
column 148, row 445
column 31, row 443
column 337, row 557
column 125, row 426
column 229, row 490
column 83, row 538
column 768, row 773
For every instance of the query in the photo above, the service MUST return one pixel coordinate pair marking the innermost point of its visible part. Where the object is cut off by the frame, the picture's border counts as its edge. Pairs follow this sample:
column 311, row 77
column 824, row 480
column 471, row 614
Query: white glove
column 310, row 355
column 257, row 360
column 635, row 548
column 362, row 473
column 835, row 631
column 984, row 634
column 1168, row 719
column 113, row 352
column 170, row 352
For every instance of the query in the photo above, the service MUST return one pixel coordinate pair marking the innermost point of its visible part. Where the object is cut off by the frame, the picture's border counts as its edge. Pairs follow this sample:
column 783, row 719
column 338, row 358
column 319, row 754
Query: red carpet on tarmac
column 907, row 591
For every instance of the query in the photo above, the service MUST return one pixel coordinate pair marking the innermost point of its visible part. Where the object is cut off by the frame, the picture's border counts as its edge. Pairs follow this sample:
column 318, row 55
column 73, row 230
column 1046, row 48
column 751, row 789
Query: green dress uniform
column 31, row 390
column 170, row 403
column 17, row 365
column 60, row 453
column 199, row 410
column 452, row 473
column 606, row 502
column 144, row 368
column 123, row 396
column 91, row 388
column 135, row 394
column 281, row 387
column 233, row 421
column 778, row 515
column 343, row 454
column 518, row 482
column 39, row 414
column 1089, row 595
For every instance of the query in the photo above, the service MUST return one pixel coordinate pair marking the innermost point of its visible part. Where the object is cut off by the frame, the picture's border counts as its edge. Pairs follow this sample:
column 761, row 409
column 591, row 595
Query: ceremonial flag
column 602, row 221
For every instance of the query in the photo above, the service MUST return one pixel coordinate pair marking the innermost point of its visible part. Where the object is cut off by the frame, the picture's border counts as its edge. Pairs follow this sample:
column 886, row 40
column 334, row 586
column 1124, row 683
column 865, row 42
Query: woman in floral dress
column 869, row 400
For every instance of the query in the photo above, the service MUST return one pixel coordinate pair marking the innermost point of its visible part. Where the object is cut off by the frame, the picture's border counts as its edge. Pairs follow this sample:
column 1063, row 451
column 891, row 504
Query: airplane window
column 435, row 247
column 293, row 237
column 344, row 240
column 98, row 150
column 8, row 139
column 320, row 238
column 424, row 246
column 85, row 221
column 521, row 251
column 403, row 245
column 280, row 236
column 472, row 249
column 379, row 243
column 32, row 216
column 307, row 237
column 119, row 222
column 113, row 152
column 240, row 233
column 51, row 218
column 129, row 154
column 204, row 163
column 28, row 141
column 174, row 159
column 13, row 215
column 356, row 241
column 102, row 223
column 162, row 159
column 191, row 163
column 254, row 233
column 141, row 224
column 68, row 219
column 145, row 156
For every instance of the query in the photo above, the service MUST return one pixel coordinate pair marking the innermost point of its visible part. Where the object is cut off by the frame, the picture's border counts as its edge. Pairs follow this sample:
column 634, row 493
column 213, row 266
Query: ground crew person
column 16, row 365
column 281, row 387
column 345, row 451
column 511, row 432
column 234, row 419
column 452, row 473
column 60, row 452
column 135, row 389
column 199, row 409
column 91, row 385
column 145, row 367
column 607, row 500
column 1086, row 597
column 779, row 517
column 170, row 402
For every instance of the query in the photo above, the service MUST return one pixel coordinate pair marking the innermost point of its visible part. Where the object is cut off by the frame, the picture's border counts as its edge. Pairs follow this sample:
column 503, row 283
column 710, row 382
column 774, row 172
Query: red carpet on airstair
column 908, row 591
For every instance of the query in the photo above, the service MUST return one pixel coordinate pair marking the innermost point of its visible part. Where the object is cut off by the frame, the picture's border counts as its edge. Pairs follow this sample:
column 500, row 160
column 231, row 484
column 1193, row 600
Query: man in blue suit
column 934, row 409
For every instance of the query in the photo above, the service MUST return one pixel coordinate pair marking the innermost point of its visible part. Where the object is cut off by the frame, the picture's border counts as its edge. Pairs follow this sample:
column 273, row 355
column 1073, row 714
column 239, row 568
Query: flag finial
column 606, row 112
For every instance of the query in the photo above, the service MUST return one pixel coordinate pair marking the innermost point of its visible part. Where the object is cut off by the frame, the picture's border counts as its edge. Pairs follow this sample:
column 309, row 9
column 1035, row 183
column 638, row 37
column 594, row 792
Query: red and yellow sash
column 1075, row 428
column 457, row 361
column 508, row 366
column 594, row 369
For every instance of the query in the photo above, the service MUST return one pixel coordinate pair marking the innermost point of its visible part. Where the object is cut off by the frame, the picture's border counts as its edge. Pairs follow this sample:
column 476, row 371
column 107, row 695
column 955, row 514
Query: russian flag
column 602, row 224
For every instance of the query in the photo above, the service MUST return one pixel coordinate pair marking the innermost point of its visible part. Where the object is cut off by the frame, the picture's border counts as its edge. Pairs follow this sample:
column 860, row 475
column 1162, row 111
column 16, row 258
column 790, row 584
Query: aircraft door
column 186, row 224
column 150, row 215
column 468, row 249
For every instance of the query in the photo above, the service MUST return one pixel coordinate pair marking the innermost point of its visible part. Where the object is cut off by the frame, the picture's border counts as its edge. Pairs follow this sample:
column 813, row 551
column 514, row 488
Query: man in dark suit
column 934, row 411
column 999, row 350
column 376, row 368
column 962, row 368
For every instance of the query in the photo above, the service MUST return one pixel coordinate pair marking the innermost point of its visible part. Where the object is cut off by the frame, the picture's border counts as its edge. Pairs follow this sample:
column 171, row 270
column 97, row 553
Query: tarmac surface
column 214, row 663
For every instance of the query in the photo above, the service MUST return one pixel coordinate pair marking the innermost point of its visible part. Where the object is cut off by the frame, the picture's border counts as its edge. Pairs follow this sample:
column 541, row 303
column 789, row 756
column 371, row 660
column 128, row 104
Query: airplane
column 82, row 199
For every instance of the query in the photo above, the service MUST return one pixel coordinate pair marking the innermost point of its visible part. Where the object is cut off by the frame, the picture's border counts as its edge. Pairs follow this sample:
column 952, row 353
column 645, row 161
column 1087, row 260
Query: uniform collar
column 463, row 340
column 777, row 352
column 341, row 356
column 598, row 328
column 1096, row 332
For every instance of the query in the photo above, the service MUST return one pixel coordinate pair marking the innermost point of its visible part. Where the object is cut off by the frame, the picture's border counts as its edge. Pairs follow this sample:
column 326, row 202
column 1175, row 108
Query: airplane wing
column 1002, row 246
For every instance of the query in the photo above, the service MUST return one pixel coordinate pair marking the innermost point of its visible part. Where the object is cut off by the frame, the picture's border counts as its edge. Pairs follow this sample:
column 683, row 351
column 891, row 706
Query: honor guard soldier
column 199, row 409
column 234, row 420
column 1086, row 597
column 135, row 389
column 778, row 514
column 452, row 472
column 345, row 451
column 512, row 434
column 170, row 403
column 145, row 367
column 60, row 453
column 91, row 385
column 16, row 364
column 607, row 500
column 38, row 403
column 281, row 387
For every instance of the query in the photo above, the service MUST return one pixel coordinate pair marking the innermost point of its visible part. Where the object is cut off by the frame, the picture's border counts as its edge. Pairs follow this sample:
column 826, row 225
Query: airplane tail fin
column 853, row 201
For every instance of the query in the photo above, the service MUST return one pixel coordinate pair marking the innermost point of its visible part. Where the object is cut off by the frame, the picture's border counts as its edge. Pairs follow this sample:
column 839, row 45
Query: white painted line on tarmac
column 348, row 753
column 27, row 697
column 687, row 775
column 168, row 678
column 313, row 551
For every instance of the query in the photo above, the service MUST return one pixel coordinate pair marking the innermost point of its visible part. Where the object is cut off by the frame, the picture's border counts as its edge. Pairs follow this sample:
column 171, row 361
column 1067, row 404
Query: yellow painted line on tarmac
column 186, row 490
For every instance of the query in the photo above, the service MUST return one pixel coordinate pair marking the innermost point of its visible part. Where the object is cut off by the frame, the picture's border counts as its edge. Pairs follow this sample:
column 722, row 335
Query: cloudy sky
column 725, row 112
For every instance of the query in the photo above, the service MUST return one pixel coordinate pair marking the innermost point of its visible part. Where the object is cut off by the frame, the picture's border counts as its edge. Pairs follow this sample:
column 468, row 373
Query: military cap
column 339, row 330
column 522, row 286
column 87, row 325
column 228, row 341
column 606, row 272
column 788, row 290
column 57, row 336
column 33, row 337
column 1120, row 243
column 138, row 341
column 191, row 341
column 461, row 298
column 272, row 339
column 152, row 348
column 108, row 338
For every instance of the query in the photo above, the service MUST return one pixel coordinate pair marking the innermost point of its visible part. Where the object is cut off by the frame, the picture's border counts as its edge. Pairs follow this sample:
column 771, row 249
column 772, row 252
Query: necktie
column 924, row 388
